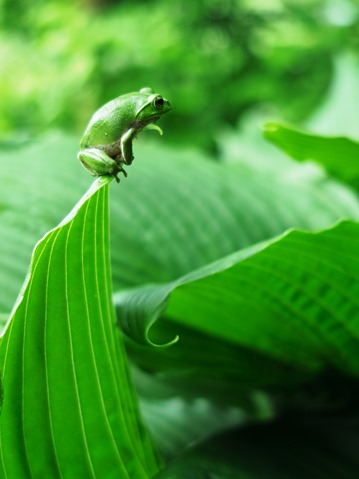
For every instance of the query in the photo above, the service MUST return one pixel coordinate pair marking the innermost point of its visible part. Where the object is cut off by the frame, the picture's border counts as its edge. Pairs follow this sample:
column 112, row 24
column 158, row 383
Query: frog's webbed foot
column 122, row 170
column 119, row 170
column 119, row 165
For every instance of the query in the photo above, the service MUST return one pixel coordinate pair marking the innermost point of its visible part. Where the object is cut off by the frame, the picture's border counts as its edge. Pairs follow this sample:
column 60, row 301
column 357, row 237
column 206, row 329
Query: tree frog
column 107, row 142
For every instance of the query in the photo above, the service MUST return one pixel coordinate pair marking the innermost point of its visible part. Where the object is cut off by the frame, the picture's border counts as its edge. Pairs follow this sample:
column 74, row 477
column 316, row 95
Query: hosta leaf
column 284, row 307
column 178, row 210
column 176, row 423
column 69, row 409
column 3, row 320
column 339, row 156
column 184, row 211
column 279, row 450
column 39, row 184
column 338, row 115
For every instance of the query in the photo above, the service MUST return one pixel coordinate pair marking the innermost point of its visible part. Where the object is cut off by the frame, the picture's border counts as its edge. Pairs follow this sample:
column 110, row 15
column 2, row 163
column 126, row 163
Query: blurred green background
column 226, row 66
column 214, row 59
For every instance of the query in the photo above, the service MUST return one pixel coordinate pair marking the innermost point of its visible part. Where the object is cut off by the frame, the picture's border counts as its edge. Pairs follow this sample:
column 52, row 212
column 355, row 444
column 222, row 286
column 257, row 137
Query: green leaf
column 273, row 314
column 177, row 424
column 40, row 183
column 338, row 114
column 3, row 320
column 339, row 156
column 69, row 409
column 178, row 209
column 184, row 211
column 280, row 450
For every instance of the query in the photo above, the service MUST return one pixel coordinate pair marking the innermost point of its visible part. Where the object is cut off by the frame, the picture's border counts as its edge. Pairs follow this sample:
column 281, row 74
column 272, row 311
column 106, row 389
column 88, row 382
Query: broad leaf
column 176, row 423
column 3, row 321
column 69, row 409
column 277, row 313
column 338, row 114
column 178, row 209
column 339, row 156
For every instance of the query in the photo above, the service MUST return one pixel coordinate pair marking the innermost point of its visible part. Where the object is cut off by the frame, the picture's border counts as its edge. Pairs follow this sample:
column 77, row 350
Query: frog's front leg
column 98, row 163
column 126, row 145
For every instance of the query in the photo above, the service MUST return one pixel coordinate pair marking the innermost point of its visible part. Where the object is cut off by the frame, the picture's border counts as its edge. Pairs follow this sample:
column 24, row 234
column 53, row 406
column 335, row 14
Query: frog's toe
column 122, row 170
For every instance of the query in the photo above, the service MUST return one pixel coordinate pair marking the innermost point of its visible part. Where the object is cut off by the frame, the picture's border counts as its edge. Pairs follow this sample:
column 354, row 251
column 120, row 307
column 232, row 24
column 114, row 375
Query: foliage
column 61, row 350
column 258, row 279
column 340, row 156
column 212, row 57
column 204, row 321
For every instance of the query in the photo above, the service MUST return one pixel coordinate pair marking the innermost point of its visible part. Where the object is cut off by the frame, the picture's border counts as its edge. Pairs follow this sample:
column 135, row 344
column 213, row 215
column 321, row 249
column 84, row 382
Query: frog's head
column 153, row 107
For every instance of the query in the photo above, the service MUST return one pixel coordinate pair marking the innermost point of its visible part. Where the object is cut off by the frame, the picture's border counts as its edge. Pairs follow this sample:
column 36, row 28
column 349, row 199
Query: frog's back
column 111, row 121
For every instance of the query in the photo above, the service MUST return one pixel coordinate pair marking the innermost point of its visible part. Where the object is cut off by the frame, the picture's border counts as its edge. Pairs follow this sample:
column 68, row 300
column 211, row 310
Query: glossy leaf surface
column 267, row 315
column 338, row 155
column 69, row 409
column 177, row 210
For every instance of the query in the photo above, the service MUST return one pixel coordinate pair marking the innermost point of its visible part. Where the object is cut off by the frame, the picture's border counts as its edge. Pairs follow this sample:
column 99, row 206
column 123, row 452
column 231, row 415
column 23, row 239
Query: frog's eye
column 158, row 103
